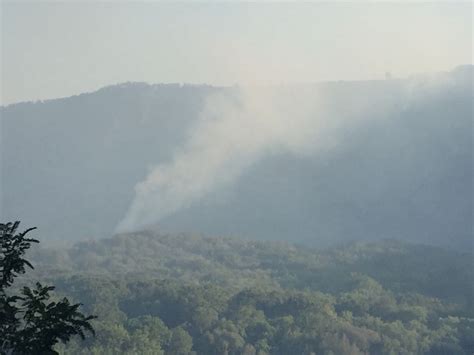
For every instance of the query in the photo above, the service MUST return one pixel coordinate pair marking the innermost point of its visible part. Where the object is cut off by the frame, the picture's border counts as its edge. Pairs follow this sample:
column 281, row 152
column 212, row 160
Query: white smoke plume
column 235, row 128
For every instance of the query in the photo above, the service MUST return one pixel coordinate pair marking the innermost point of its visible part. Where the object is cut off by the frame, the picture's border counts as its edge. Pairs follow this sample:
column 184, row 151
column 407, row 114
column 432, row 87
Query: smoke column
column 235, row 128
column 239, row 126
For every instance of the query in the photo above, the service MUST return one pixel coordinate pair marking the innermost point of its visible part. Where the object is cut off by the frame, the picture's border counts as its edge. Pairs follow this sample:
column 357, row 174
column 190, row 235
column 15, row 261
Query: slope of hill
column 235, row 263
column 69, row 165
column 168, row 294
column 401, row 167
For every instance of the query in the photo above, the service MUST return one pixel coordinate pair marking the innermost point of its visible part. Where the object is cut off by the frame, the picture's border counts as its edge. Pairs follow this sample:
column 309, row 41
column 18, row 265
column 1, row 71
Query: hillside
column 400, row 165
column 162, row 293
column 235, row 263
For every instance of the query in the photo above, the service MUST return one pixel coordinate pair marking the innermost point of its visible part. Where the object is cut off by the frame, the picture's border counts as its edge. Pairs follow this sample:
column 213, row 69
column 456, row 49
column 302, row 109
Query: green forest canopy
column 181, row 294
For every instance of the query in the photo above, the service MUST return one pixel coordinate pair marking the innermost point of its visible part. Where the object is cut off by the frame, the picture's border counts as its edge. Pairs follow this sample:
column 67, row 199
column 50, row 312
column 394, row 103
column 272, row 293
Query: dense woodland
column 177, row 294
column 402, row 171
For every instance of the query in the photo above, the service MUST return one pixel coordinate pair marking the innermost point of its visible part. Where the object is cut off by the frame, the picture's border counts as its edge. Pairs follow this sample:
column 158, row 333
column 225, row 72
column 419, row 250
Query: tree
column 181, row 343
column 29, row 322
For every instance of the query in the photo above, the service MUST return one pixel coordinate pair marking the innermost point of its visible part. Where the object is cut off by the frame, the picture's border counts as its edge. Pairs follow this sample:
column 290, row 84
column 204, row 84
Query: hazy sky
column 63, row 48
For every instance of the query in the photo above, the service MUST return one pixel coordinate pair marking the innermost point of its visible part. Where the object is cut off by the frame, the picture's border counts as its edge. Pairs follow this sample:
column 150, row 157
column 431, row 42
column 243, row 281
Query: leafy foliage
column 13, row 247
column 29, row 322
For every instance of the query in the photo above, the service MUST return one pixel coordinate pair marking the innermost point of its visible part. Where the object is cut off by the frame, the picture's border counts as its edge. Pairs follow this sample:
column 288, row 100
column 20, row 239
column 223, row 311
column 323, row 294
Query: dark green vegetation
column 29, row 322
column 178, row 294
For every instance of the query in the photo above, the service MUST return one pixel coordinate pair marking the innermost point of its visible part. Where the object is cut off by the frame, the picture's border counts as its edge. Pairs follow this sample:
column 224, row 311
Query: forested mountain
column 400, row 166
column 236, row 178
column 177, row 294
column 88, row 151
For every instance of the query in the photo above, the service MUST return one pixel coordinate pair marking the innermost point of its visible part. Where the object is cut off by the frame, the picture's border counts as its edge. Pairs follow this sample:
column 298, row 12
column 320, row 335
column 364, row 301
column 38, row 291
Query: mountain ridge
column 461, row 69
column 70, row 165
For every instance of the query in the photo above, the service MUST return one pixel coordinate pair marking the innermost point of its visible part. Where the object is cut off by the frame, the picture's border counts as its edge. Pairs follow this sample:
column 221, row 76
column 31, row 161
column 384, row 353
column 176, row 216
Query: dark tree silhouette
column 29, row 322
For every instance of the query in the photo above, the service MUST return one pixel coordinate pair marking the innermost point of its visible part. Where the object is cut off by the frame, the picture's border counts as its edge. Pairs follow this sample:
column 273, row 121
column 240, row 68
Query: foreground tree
column 29, row 322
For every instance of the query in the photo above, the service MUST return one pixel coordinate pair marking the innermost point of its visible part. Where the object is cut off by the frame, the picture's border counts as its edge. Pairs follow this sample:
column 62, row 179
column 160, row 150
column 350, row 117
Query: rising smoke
column 235, row 128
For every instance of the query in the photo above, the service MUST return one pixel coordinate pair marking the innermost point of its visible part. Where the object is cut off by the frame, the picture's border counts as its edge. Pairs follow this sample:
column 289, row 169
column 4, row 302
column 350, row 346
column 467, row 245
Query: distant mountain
column 405, row 170
column 69, row 165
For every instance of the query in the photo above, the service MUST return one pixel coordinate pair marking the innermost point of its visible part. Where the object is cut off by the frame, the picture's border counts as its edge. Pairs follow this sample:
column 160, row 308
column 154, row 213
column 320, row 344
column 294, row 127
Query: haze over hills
column 386, row 159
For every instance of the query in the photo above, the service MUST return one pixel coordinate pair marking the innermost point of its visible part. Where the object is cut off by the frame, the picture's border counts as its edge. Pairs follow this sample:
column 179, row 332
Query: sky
column 59, row 49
